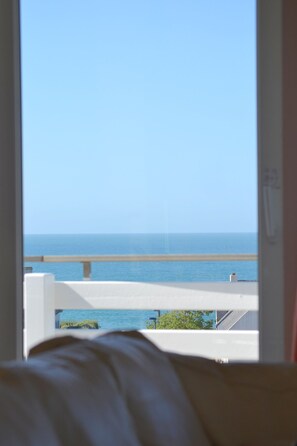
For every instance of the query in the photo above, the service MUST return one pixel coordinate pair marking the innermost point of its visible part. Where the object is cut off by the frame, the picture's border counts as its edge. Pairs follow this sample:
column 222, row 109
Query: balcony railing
column 87, row 261
column 43, row 295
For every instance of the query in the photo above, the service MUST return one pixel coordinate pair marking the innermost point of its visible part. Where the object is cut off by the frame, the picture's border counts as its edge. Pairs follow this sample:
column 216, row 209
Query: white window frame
column 11, row 256
column 276, row 155
column 277, row 177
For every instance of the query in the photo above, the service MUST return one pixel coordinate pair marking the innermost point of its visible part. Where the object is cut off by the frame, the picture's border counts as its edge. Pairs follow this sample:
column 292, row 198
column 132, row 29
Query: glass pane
column 140, row 140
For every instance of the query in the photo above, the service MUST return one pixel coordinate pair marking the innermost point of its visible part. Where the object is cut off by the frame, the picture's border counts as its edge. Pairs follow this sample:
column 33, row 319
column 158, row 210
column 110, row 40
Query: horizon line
column 143, row 233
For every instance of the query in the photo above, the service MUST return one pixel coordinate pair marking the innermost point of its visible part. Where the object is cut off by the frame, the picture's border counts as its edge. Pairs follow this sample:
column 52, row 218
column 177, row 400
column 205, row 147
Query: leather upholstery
column 115, row 390
column 242, row 404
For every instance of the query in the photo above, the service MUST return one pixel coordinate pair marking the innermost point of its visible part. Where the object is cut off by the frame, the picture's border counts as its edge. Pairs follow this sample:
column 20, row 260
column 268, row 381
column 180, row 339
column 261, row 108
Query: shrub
column 90, row 324
column 183, row 320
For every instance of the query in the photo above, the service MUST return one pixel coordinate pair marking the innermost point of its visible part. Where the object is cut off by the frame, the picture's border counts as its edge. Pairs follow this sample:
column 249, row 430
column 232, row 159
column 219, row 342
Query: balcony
column 43, row 295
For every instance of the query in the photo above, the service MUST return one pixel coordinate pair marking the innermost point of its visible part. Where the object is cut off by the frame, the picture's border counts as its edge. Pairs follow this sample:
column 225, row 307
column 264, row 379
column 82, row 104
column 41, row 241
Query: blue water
column 87, row 244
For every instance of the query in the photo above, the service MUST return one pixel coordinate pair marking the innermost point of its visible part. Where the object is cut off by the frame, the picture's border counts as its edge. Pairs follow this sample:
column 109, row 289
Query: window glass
column 139, row 123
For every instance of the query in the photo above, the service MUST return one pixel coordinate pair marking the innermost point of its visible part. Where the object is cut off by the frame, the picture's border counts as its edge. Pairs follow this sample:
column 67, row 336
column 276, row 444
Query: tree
column 183, row 320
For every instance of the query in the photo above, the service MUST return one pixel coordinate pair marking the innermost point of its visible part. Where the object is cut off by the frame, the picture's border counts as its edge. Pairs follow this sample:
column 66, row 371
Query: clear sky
column 139, row 116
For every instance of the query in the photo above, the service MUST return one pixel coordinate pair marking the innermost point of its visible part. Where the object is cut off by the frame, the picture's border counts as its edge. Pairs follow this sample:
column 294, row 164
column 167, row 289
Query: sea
column 97, row 244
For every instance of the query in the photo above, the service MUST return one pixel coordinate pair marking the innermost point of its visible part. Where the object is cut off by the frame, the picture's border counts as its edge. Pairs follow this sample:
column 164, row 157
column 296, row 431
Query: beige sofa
column 119, row 389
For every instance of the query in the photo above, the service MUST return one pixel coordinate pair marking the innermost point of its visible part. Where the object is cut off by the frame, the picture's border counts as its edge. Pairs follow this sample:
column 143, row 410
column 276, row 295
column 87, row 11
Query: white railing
column 43, row 295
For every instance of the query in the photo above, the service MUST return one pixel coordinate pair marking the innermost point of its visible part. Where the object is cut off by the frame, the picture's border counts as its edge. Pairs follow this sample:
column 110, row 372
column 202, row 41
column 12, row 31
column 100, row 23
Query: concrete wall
column 250, row 321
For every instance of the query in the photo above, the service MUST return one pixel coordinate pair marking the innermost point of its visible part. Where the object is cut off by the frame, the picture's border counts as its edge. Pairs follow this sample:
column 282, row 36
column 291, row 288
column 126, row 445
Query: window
column 276, row 252
column 134, row 128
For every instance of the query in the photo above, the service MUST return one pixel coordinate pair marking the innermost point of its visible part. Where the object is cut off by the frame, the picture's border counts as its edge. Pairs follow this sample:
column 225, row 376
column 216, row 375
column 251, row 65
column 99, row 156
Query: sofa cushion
column 116, row 390
column 67, row 396
column 242, row 404
column 154, row 395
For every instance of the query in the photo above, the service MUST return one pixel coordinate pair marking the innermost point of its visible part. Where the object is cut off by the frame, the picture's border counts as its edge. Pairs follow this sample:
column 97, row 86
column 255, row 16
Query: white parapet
column 161, row 296
column 39, row 302
column 43, row 295
column 231, row 345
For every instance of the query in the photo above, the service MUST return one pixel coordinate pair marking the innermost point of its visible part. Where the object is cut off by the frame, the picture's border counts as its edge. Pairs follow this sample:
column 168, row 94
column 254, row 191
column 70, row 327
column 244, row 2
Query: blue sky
column 139, row 116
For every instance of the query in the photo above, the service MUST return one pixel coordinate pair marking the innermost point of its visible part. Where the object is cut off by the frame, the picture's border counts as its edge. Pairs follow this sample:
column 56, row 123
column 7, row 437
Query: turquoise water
column 87, row 244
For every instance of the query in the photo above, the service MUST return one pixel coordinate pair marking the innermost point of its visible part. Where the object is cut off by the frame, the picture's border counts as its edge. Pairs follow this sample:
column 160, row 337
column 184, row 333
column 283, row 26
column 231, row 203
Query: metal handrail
column 144, row 258
column 86, row 260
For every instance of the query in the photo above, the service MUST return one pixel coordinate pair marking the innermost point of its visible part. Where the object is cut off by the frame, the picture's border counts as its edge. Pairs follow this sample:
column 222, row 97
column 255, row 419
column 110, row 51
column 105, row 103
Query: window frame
column 11, row 230
column 277, row 102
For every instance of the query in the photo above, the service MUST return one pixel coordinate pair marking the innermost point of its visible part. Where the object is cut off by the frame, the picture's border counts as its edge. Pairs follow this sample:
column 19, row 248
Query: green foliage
column 91, row 324
column 183, row 320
